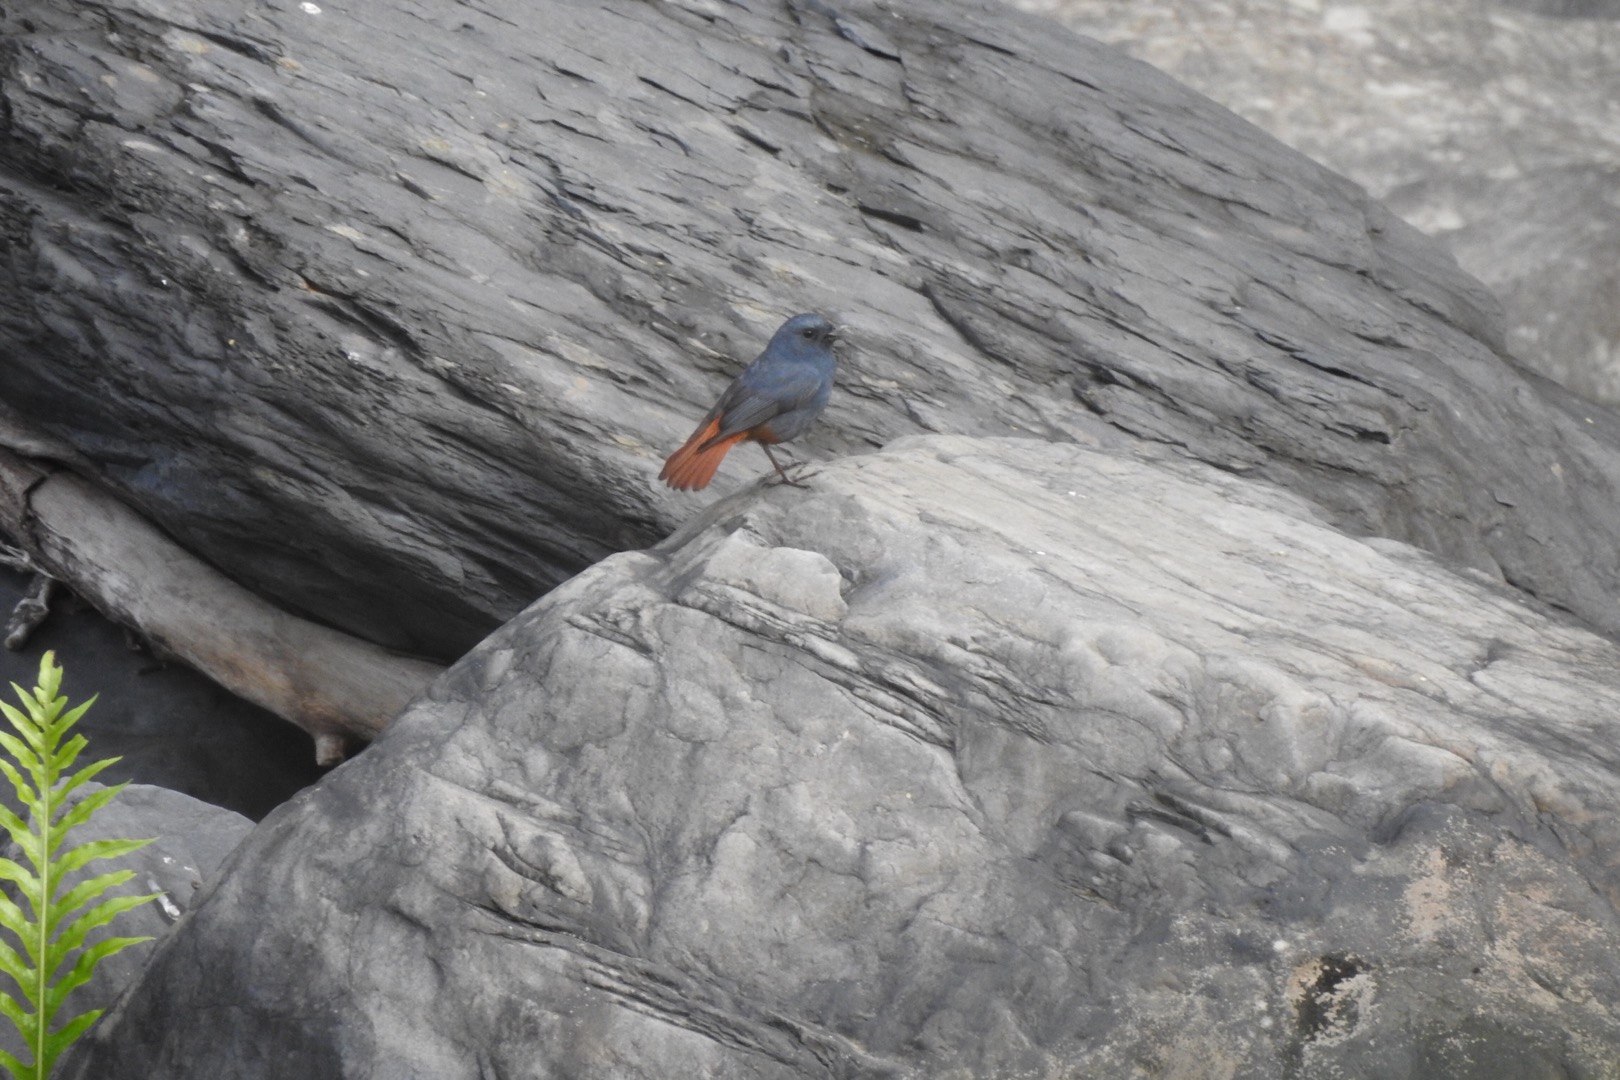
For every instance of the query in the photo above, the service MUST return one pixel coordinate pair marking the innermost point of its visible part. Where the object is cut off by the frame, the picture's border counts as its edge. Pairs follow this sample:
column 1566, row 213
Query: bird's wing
column 757, row 397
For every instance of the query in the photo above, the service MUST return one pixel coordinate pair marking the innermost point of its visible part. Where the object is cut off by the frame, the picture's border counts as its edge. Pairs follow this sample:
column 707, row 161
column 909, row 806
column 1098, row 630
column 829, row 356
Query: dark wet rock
column 170, row 726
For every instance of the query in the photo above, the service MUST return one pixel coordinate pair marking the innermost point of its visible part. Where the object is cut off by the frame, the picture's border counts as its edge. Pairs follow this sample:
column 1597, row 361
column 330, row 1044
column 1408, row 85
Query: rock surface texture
column 392, row 313
column 1219, row 683
column 1489, row 125
column 982, row 758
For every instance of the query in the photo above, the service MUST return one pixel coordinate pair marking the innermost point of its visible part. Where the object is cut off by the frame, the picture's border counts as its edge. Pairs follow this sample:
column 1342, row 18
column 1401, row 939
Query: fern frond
column 88, row 959
column 80, row 812
column 13, row 964
column 13, row 1066
column 81, row 894
column 70, row 1032
column 52, row 931
column 97, row 849
column 85, row 775
column 10, row 871
column 12, row 1011
column 102, row 914
column 24, row 793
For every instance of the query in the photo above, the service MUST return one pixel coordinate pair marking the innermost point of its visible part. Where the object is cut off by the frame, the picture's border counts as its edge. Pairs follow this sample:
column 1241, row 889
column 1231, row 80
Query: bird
column 775, row 399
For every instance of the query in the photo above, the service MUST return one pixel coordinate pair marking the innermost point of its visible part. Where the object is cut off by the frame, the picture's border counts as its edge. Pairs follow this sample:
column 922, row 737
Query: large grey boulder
column 391, row 312
column 979, row 757
column 1487, row 124
column 1143, row 743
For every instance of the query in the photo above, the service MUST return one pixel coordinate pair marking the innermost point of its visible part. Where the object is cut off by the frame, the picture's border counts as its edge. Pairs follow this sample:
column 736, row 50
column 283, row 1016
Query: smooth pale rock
column 1101, row 762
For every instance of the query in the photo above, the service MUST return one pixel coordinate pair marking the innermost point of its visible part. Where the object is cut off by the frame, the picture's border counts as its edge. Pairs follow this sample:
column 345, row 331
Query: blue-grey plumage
column 776, row 398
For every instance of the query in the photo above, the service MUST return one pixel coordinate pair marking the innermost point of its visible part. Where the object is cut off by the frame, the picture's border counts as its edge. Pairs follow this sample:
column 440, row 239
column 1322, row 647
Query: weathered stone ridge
column 984, row 757
column 442, row 285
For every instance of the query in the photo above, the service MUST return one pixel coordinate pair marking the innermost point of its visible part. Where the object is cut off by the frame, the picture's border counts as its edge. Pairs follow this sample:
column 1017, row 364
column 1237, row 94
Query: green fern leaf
column 12, row 1011
column 97, row 849
column 64, row 757
column 15, row 826
column 10, row 871
column 53, row 929
column 81, row 811
column 86, row 964
column 13, row 964
column 15, row 1067
column 99, row 916
column 24, row 792
column 19, row 750
column 84, row 775
column 65, row 1037
column 84, row 892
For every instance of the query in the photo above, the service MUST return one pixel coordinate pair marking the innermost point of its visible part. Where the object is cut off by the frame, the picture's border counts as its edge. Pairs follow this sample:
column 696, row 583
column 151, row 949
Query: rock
column 392, row 317
column 170, row 726
column 980, row 757
column 336, row 687
column 1487, row 125
column 1138, row 743
column 190, row 840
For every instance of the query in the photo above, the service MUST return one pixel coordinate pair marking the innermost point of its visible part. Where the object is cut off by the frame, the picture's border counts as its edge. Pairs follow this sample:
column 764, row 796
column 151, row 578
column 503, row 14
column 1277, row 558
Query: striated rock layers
column 1249, row 714
column 980, row 758
column 391, row 313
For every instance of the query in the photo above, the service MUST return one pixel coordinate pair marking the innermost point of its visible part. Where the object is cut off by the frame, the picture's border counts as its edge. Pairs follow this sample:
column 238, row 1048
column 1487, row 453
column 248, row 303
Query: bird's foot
column 797, row 480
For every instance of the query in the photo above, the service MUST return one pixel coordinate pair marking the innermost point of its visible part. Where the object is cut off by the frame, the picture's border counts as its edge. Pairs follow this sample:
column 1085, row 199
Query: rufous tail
column 692, row 466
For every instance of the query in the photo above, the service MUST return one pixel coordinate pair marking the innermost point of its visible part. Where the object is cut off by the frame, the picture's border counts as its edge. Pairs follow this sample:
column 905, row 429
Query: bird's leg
column 793, row 460
column 786, row 479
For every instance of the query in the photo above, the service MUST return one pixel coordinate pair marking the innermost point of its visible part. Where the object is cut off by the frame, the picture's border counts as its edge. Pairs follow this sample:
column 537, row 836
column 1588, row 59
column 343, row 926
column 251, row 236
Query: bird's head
column 806, row 332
